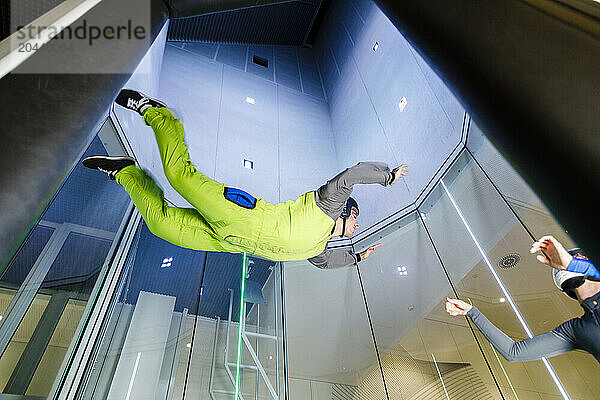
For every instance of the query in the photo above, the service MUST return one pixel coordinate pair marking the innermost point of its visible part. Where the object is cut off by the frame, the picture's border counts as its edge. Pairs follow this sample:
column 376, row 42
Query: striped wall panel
column 283, row 23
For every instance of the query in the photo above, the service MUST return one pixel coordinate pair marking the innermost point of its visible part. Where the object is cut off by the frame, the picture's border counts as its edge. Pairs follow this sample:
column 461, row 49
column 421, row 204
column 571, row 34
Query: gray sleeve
column 548, row 344
column 335, row 258
column 332, row 196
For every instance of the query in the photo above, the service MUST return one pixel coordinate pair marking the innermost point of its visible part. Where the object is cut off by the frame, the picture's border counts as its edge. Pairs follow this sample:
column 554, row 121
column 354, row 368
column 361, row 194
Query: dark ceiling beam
column 189, row 8
column 529, row 77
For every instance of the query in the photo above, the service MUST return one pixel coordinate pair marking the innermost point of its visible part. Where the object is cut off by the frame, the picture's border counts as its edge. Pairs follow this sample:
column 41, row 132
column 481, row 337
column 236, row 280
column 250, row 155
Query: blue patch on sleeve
column 239, row 197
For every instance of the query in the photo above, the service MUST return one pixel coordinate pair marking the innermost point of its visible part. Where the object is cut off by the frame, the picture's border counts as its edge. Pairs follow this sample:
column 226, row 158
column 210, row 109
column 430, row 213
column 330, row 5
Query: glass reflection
column 173, row 332
column 424, row 353
column 331, row 353
column 549, row 308
column 485, row 248
column 46, row 287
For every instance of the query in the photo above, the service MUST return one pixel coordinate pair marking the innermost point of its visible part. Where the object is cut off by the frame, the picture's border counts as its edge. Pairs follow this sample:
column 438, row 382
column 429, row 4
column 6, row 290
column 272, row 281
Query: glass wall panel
column 220, row 307
column 262, row 342
column 174, row 330
column 150, row 329
column 247, row 357
column 55, row 352
column 524, row 201
column 424, row 352
column 14, row 276
column 483, row 245
column 539, row 221
column 331, row 353
column 45, row 288
column 22, row 336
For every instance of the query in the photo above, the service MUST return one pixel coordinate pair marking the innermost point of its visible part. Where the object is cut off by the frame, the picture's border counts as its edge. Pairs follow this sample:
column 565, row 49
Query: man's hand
column 456, row 307
column 559, row 257
column 399, row 172
column 367, row 252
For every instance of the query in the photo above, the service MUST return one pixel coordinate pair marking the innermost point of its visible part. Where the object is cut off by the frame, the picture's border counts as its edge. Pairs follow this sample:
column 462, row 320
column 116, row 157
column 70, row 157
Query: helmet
column 350, row 205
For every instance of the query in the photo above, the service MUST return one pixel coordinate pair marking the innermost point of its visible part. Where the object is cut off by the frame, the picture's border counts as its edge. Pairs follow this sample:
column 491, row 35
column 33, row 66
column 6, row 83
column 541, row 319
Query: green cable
column 239, row 349
column 499, row 362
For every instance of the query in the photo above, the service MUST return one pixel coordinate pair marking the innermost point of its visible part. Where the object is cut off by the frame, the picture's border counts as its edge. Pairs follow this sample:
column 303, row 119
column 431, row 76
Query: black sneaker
column 110, row 165
column 137, row 101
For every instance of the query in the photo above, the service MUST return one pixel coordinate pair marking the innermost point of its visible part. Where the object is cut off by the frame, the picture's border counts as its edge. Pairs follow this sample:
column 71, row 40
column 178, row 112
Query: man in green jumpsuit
column 230, row 220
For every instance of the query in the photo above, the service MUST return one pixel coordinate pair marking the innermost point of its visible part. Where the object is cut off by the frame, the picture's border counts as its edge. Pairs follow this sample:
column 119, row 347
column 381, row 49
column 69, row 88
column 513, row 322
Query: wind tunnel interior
column 279, row 121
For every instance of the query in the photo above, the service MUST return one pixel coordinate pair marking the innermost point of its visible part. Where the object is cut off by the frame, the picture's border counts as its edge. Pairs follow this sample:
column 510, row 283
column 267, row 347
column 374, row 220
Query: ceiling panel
column 285, row 23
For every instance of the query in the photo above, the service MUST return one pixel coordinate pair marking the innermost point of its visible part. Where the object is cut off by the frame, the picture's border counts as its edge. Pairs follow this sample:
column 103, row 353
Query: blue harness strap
column 239, row 197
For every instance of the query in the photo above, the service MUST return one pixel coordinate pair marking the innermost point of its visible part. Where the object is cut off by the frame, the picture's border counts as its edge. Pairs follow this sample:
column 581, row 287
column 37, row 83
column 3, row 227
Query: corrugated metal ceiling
column 282, row 23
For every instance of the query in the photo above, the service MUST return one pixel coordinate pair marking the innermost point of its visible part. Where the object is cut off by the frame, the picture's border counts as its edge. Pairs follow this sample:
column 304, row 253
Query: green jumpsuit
column 294, row 230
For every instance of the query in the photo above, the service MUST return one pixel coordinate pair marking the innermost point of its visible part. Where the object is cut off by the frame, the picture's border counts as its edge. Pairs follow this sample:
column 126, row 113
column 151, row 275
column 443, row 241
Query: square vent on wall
column 263, row 62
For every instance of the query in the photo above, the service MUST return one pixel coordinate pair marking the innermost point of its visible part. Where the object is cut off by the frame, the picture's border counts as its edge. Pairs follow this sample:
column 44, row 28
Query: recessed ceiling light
column 250, row 100
column 249, row 164
column 402, row 104
column 375, row 46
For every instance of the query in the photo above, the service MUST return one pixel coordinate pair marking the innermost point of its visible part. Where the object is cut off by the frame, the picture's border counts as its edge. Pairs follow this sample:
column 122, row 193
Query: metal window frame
column 17, row 309
column 80, row 350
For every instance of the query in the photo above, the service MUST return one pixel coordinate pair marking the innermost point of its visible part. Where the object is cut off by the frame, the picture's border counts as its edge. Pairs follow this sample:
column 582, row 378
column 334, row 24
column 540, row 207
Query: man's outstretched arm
column 338, row 258
column 332, row 196
column 335, row 258
column 548, row 344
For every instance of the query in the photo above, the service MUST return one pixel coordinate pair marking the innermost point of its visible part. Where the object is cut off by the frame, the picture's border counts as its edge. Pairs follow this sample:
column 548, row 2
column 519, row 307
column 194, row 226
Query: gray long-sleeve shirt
column 581, row 333
column 332, row 197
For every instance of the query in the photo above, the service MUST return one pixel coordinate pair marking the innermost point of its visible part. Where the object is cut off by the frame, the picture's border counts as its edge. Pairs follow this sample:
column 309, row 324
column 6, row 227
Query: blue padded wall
column 192, row 89
column 204, row 49
column 233, row 55
column 248, row 131
column 288, row 73
column 266, row 53
column 286, row 132
column 364, row 88
column 315, row 112
column 307, row 151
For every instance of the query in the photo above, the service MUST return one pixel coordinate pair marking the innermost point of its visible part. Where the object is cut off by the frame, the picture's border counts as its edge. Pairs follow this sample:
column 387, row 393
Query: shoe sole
column 136, row 91
column 91, row 162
